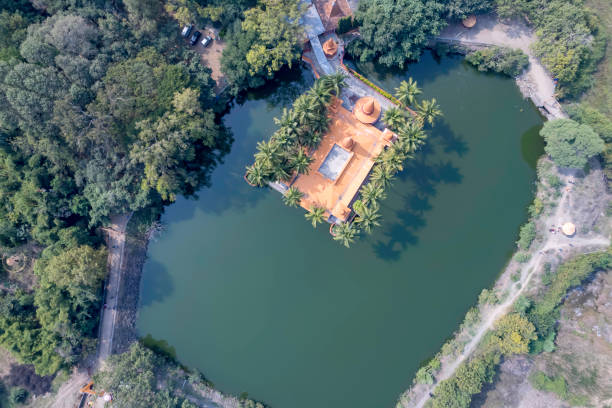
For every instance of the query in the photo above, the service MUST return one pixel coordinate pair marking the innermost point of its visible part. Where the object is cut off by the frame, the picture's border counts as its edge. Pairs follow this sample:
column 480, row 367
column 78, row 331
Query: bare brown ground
column 211, row 57
column 583, row 356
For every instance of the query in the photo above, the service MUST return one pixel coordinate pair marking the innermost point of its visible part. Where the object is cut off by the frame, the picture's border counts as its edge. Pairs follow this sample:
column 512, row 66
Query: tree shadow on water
column 157, row 284
column 423, row 175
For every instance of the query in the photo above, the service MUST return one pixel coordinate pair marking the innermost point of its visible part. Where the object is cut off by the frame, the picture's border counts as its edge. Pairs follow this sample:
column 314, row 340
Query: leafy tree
column 526, row 235
column 316, row 215
column 293, row 196
column 570, row 144
column 511, row 62
column 512, row 334
column 395, row 31
column 460, row 9
column 169, row 146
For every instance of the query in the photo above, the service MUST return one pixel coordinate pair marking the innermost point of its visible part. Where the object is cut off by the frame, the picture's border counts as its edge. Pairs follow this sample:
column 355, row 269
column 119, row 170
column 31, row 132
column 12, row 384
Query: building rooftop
column 341, row 163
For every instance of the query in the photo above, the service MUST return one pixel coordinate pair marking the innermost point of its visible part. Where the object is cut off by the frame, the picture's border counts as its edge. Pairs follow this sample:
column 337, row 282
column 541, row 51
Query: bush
column 545, row 311
column 18, row 395
column 468, row 380
column 556, row 384
column 526, row 235
column 505, row 61
column 522, row 257
column 345, row 24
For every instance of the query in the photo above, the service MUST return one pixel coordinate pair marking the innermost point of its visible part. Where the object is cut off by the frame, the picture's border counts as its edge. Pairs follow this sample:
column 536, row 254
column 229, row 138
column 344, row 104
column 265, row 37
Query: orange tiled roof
column 336, row 195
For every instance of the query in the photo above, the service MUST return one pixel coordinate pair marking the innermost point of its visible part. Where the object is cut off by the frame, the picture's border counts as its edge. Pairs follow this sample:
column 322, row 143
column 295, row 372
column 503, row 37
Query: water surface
column 249, row 293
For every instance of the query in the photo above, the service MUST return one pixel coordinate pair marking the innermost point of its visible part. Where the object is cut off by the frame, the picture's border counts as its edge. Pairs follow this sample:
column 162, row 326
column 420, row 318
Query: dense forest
column 105, row 110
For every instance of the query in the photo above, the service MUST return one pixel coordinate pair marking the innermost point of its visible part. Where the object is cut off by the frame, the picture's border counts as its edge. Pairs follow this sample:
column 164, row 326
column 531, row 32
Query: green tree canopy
column 570, row 144
column 395, row 31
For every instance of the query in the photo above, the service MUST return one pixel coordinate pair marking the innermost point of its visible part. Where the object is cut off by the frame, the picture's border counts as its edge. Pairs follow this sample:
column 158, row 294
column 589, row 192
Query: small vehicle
column 187, row 30
column 206, row 41
column 195, row 37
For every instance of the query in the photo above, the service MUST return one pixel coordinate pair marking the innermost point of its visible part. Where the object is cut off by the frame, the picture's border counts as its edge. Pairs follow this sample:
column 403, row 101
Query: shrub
column 556, row 384
column 488, row 297
column 505, row 61
column 345, row 24
column 522, row 257
column 18, row 395
column 526, row 235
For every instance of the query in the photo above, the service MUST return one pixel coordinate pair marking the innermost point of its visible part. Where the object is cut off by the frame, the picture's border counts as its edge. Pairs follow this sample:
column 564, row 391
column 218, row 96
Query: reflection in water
column 532, row 146
column 271, row 306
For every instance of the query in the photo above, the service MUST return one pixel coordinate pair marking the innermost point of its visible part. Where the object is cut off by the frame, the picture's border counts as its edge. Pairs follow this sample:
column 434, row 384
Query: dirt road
column 536, row 82
column 116, row 249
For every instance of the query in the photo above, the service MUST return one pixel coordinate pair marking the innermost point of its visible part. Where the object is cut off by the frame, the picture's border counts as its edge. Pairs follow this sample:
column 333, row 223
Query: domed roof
column 347, row 143
column 330, row 48
column 367, row 110
column 469, row 22
column 568, row 229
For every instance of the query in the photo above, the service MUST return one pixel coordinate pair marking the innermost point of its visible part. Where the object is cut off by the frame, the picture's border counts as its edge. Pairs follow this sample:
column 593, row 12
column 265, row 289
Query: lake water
column 249, row 293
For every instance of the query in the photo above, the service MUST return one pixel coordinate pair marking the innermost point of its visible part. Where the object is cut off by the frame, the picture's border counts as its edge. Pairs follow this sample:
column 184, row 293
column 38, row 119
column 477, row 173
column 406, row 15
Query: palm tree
column 335, row 82
column 372, row 193
column 429, row 110
column 303, row 110
column 267, row 152
column 382, row 174
column 316, row 215
column 394, row 118
column 367, row 216
column 394, row 158
column 412, row 136
column 300, row 162
column 407, row 91
column 292, row 197
column 288, row 127
column 279, row 173
column 345, row 233
column 255, row 175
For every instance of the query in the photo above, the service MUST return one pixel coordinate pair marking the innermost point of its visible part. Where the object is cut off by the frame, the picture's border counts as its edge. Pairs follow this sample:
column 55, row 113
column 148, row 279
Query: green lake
column 249, row 293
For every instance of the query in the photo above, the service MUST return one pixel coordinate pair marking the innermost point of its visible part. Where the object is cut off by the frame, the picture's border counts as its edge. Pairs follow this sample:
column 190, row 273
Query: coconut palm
column 382, row 174
column 255, row 175
column 345, row 233
column 267, row 152
column 300, row 162
column 292, row 197
column 316, row 215
column 280, row 173
column 429, row 110
column 372, row 193
column 335, row 82
column 303, row 110
column 367, row 216
column 411, row 136
column 406, row 92
column 394, row 118
column 394, row 158
column 321, row 90
column 288, row 127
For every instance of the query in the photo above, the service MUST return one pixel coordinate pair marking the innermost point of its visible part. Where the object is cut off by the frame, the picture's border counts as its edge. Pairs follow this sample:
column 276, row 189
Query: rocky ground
column 583, row 357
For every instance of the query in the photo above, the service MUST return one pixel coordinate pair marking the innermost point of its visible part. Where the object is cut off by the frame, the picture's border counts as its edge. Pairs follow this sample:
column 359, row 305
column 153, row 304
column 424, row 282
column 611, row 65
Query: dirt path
column 116, row 249
column 552, row 242
column 536, row 82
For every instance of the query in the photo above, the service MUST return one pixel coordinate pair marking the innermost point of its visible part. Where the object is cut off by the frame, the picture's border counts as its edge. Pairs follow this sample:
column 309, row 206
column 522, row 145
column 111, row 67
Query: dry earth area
column 583, row 356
